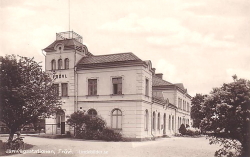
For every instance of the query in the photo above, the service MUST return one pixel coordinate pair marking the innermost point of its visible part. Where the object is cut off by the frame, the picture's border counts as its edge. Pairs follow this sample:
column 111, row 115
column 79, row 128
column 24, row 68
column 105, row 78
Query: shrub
column 92, row 128
column 193, row 132
column 110, row 135
column 182, row 129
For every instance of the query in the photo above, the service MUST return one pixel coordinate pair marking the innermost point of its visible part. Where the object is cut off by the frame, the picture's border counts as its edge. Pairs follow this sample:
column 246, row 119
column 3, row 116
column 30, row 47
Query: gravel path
column 167, row 147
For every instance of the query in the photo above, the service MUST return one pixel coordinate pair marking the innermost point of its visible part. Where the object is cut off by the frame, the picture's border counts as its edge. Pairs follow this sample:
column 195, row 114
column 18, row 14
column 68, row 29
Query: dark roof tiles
column 68, row 42
column 109, row 58
column 160, row 82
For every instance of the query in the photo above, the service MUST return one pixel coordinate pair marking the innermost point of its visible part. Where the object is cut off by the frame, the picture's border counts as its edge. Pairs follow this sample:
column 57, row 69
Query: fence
column 52, row 129
column 25, row 130
column 61, row 129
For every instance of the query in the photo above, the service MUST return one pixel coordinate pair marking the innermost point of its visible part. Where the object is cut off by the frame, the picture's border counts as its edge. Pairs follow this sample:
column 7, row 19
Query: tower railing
column 69, row 35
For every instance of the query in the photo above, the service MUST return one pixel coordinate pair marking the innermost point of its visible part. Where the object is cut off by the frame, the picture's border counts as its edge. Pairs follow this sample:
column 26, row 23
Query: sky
column 200, row 43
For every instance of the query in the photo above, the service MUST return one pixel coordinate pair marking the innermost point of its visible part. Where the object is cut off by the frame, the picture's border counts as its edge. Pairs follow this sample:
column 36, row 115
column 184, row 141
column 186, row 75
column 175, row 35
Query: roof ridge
column 163, row 80
column 114, row 54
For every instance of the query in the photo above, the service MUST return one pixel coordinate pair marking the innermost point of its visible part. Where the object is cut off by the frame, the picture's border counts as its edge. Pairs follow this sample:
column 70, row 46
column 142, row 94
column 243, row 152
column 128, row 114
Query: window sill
column 116, row 95
column 92, row 95
column 117, row 130
column 60, row 69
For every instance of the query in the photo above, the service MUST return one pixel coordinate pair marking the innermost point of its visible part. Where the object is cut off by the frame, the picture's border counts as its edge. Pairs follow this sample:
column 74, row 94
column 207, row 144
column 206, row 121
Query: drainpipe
column 76, row 88
column 152, row 121
column 175, row 121
column 76, row 85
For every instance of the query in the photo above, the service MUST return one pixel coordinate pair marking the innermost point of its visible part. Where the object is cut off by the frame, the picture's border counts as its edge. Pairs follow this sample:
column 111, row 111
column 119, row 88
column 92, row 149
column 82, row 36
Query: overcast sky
column 200, row 43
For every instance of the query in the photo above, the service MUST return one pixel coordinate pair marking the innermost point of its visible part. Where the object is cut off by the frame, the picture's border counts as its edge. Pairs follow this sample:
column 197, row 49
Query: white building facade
column 120, row 88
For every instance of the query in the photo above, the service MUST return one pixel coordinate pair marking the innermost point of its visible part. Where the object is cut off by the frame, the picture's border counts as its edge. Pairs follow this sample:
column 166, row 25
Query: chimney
column 153, row 71
column 159, row 75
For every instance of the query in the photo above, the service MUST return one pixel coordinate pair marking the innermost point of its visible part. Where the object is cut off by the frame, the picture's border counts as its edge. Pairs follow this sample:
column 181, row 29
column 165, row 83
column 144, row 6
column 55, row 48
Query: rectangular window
column 117, row 85
column 56, row 89
column 183, row 105
column 147, row 88
column 179, row 103
column 64, row 89
column 92, row 87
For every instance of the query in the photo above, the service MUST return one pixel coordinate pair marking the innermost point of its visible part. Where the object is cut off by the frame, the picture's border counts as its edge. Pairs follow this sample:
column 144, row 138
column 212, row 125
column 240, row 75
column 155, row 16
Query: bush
column 92, row 128
column 110, row 135
column 189, row 131
column 182, row 129
column 192, row 132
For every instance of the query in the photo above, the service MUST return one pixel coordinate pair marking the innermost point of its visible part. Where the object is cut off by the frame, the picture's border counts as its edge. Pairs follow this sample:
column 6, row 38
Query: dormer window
column 66, row 63
column 59, row 63
column 53, row 65
column 59, row 47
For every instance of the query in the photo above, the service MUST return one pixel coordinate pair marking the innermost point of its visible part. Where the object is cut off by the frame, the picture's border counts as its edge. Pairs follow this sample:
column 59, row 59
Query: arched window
column 59, row 63
column 146, row 120
column 153, row 120
column 53, row 65
column 92, row 112
column 158, row 122
column 116, row 119
column 164, row 123
column 66, row 63
column 178, row 123
column 169, row 122
column 172, row 122
column 60, row 121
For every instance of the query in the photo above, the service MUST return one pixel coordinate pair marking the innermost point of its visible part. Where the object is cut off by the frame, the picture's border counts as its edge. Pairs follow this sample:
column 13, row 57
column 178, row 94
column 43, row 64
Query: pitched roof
column 159, row 82
column 68, row 44
column 119, row 57
column 180, row 85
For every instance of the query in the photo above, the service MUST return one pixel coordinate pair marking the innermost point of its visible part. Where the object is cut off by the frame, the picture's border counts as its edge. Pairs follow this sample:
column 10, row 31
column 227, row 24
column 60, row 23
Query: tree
column 27, row 93
column 227, row 115
column 196, row 113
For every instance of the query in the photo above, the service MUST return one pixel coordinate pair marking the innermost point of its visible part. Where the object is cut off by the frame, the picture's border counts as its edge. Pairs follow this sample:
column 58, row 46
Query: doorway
column 60, row 121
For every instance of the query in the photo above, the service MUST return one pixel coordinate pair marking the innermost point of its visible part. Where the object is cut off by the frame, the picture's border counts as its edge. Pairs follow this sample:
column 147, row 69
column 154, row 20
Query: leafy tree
column 196, row 113
column 227, row 115
column 26, row 91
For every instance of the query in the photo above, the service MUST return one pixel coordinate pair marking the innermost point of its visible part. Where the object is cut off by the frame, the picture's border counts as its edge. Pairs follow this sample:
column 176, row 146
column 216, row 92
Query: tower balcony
column 69, row 35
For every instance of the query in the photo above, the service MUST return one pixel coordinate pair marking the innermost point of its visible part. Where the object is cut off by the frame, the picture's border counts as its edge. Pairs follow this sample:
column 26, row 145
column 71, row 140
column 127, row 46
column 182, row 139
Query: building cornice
column 110, row 65
column 174, row 87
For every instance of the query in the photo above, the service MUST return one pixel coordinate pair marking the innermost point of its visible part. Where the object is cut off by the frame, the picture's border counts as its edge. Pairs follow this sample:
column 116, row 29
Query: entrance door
column 62, row 127
column 60, row 121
